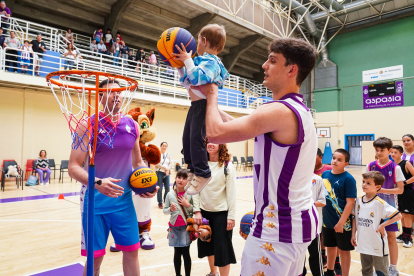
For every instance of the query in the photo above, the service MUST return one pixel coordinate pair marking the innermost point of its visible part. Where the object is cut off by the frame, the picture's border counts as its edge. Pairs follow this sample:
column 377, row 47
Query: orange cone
column 61, row 196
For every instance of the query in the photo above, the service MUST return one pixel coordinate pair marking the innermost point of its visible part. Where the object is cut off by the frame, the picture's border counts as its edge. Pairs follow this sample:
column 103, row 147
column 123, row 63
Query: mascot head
column 147, row 132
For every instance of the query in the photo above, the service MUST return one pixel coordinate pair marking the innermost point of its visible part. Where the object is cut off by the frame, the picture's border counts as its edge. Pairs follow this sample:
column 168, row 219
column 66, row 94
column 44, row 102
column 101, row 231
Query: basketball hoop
column 89, row 127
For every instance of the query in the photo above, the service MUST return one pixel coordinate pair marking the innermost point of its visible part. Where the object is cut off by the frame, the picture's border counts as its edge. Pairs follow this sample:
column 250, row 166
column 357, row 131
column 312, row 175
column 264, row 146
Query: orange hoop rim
column 132, row 84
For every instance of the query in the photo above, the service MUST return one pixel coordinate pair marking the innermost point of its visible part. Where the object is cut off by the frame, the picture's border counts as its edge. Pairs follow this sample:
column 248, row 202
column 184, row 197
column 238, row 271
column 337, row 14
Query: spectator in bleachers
column 25, row 56
column 153, row 58
column 138, row 58
column 93, row 47
column 108, row 39
column 97, row 35
column 102, row 48
column 131, row 60
column 39, row 47
column 12, row 56
column 69, row 37
column 2, row 37
column 5, row 14
column 116, row 49
column 124, row 53
column 118, row 35
column 70, row 56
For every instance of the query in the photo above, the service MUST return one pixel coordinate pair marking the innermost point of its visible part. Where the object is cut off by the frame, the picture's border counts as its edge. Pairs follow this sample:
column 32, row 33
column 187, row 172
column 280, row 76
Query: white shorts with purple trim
column 123, row 226
column 266, row 258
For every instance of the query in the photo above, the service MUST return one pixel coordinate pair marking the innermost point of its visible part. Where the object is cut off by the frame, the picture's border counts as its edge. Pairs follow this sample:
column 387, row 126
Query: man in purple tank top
column 392, row 187
column 286, row 219
column 114, row 160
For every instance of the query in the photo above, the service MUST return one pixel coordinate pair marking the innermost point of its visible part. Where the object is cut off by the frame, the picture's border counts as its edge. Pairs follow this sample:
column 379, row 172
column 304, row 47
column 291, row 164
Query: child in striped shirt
column 25, row 56
column 206, row 68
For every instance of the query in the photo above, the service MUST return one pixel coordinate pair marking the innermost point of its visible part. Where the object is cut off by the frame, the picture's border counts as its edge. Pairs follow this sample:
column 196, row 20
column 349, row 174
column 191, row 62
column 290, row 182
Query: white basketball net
column 76, row 105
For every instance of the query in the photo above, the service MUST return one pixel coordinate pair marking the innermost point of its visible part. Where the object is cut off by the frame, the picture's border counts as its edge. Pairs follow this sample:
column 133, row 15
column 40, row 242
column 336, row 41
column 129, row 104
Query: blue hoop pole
column 90, row 217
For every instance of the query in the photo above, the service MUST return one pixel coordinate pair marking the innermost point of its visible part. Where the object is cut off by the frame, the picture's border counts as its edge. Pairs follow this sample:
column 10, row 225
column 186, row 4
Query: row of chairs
column 244, row 162
column 31, row 169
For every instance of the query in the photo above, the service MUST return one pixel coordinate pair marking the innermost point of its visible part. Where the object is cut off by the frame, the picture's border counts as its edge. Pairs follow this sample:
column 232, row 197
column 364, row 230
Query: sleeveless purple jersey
column 388, row 171
column 115, row 162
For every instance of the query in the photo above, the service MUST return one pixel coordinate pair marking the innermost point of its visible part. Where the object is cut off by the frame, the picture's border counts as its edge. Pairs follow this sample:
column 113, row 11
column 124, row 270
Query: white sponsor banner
column 393, row 72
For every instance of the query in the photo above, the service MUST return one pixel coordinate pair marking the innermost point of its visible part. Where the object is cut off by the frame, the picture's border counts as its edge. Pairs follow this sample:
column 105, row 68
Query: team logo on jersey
column 313, row 182
column 372, row 214
column 390, row 173
column 128, row 128
column 373, row 167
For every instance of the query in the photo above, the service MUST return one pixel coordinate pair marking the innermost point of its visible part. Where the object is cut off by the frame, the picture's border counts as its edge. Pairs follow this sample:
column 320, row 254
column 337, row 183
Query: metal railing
column 155, row 80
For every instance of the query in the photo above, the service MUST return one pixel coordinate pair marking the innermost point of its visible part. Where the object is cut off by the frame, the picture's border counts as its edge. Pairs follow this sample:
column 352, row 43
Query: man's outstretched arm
column 222, row 128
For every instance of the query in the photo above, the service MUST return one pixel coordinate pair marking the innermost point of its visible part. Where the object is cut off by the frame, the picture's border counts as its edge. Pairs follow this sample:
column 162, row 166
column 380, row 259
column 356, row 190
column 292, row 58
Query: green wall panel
column 384, row 45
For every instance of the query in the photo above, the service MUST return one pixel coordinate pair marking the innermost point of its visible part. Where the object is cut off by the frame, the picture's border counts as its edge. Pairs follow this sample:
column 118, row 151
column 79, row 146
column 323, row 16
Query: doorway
column 353, row 144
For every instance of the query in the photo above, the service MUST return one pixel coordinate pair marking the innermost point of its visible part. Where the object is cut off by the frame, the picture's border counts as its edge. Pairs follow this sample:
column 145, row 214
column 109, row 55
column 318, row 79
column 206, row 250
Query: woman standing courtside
column 163, row 173
column 42, row 167
column 217, row 203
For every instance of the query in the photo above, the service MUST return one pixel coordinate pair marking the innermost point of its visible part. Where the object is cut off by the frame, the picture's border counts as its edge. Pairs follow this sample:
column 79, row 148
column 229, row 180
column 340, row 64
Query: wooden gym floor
column 42, row 234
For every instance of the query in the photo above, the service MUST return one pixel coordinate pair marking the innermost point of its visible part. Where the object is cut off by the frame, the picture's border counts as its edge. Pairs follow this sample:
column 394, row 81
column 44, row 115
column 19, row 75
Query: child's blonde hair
column 215, row 34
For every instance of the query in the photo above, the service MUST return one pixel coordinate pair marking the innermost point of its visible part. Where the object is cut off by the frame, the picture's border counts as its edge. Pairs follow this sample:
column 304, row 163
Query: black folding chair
column 235, row 161
column 52, row 166
column 243, row 163
column 5, row 169
column 249, row 162
column 64, row 166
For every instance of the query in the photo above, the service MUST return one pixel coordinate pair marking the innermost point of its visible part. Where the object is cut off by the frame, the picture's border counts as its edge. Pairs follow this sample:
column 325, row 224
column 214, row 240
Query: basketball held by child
column 246, row 223
column 168, row 40
column 143, row 180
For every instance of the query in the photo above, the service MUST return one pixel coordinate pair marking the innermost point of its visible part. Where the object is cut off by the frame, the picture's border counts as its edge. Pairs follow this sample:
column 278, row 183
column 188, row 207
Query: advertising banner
column 387, row 73
column 382, row 95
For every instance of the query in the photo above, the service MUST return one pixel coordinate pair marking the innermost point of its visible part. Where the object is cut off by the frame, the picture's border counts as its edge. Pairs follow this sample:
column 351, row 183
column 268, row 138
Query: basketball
column 168, row 40
column 143, row 180
column 246, row 223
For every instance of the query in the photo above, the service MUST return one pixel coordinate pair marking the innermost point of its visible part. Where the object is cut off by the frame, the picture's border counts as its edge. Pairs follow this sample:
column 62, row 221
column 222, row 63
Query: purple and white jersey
column 393, row 174
column 409, row 158
column 115, row 162
column 284, row 208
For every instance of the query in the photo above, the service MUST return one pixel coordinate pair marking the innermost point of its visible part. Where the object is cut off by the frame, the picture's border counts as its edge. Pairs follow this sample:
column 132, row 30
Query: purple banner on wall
column 373, row 100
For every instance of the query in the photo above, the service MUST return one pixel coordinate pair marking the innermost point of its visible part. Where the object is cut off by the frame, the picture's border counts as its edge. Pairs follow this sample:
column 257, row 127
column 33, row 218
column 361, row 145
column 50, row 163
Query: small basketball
column 143, row 180
column 245, row 223
column 168, row 40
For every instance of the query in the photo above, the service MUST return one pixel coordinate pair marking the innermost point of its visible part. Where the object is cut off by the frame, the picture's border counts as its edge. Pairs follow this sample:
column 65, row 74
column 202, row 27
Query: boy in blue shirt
column 206, row 68
column 337, row 220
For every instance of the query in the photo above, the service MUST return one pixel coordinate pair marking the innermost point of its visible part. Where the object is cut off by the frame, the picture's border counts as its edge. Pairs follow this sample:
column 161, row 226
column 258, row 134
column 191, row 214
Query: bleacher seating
column 237, row 92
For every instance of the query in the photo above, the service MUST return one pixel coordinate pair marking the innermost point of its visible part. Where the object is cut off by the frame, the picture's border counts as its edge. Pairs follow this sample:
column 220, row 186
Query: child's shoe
column 330, row 273
column 197, row 185
column 408, row 241
column 338, row 269
column 189, row 179
column 113, row 248
column 400, row 238
column 393, row 271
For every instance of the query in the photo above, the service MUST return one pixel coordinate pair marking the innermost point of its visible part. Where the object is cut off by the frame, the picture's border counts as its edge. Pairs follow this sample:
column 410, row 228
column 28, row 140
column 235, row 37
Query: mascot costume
column 151, row 154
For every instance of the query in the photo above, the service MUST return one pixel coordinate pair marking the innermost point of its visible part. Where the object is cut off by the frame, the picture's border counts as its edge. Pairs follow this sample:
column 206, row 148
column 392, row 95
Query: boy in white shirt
column 372, row 215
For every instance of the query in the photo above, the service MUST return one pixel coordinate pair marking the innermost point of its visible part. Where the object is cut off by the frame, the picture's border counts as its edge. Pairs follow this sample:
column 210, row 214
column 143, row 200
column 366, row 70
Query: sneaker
column 189, row 179
column 393, row 271
column 400, row 238
column 338, row 269
column 160, row 206
column 212, row 274
column 197, row 185
column 47, row 183
column 329, row 273
column 113, row 248
column 40, row 183
column 145, row 240
column 408, row 241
